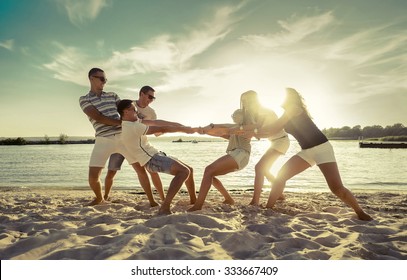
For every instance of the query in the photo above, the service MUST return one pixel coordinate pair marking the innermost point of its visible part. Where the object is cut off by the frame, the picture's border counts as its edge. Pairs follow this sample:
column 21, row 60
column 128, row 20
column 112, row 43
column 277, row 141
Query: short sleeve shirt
column 136, row 142
column 106, row 104
column 146, row 113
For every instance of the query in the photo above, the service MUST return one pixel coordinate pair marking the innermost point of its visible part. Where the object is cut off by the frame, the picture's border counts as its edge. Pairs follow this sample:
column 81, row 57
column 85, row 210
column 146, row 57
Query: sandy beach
column 51, row 224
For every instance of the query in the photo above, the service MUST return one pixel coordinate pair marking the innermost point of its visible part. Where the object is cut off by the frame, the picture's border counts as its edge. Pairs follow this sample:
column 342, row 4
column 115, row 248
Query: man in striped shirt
column 101, row 109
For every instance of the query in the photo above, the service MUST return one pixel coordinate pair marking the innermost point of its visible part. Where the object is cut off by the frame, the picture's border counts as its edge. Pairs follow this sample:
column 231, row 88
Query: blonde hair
column 238, row 116
column 249, row 100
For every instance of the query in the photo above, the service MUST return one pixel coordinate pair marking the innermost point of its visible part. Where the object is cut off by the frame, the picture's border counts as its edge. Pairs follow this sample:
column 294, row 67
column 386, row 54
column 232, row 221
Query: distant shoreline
column 20, row 141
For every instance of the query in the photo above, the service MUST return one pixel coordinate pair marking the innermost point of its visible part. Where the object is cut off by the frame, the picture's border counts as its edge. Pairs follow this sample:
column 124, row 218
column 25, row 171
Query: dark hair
column 146, row 89
column 93, row 71
column 123, row 104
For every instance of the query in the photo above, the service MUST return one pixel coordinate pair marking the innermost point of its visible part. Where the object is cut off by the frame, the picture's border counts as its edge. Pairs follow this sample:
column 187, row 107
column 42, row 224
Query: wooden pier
column 383, row 145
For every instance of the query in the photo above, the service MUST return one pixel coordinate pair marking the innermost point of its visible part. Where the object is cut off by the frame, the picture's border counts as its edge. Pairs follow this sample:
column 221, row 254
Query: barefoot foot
column 94, row 202
column 229, row 201
column 194, row 208
column 364, row 217
column 153, row 204
column 162, row 212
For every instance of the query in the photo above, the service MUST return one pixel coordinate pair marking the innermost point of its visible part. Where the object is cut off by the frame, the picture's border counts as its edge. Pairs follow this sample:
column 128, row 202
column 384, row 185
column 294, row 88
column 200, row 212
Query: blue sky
column 347, row 58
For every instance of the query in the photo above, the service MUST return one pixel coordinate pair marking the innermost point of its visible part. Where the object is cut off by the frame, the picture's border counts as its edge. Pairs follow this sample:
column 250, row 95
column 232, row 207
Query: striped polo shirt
column 106, row 104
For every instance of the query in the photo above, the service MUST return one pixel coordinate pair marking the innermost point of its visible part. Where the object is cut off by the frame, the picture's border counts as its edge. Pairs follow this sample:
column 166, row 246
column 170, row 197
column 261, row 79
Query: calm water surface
column 66, row 166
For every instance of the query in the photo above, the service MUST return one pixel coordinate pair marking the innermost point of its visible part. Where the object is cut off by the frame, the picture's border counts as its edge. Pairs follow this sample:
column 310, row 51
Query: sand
column 44, row 224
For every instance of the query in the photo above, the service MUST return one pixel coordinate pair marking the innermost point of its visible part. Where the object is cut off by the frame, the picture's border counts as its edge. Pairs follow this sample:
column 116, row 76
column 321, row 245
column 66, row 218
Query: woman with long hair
column 236, row 158
column 259, row 117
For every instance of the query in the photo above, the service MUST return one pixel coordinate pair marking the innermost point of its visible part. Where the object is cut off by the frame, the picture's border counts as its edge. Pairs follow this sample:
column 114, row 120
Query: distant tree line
column 62, row 139
column 396, row 131
column 13, row 141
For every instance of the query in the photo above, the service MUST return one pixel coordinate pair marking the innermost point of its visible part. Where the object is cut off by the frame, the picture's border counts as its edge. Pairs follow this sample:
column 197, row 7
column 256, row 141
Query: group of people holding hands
column 122, row 127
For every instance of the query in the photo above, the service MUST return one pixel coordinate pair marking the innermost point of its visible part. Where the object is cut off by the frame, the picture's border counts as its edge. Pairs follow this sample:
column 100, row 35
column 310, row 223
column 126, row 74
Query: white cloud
column 376, row 57
column 67, row 64
column 294, row 30
column 375, row 45
column 164, row 54
column 196, row 78
column 8, row 44
column 80, row 12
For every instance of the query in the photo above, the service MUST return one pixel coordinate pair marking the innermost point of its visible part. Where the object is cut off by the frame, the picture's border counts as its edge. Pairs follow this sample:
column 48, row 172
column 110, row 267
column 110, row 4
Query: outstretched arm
column 161, row 123
column 164, row 129
column 219, row 130
column 273, row 128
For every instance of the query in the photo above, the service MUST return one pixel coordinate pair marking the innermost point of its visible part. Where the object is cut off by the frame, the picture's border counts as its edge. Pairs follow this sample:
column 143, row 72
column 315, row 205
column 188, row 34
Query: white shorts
column 320, row 154
column 240, row 156
column 104, row 147
column 281, row 144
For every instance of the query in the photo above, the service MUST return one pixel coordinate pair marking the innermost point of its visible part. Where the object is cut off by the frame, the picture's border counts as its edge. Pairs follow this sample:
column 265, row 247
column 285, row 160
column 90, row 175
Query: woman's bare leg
column 221, row 166
column 333, row 178
column 262, row 169
column 219, row 186
column 292, row 167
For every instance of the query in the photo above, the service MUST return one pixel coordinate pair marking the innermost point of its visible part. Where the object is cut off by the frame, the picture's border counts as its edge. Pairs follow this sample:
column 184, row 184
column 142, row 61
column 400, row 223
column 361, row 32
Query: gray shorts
column 160, row 162
column 115, row 162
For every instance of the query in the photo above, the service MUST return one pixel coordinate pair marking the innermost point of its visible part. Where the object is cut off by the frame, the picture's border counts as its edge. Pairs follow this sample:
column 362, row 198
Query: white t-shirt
column 146, row 113
column 135, row 140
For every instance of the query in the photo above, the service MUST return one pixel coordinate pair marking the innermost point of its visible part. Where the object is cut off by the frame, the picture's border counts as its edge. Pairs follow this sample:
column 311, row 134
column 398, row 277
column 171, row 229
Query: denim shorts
column 115, row 162
column 160, row 162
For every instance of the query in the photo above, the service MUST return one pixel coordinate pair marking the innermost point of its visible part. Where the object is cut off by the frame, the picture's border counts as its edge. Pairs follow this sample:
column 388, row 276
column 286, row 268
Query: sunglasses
column 150, row 96
column 101, row 78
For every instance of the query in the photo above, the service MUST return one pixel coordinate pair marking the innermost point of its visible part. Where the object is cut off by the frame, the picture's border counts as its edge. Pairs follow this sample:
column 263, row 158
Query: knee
column 93, row 177
column 258, row 167
column 209, row 171
column 280, row 179
column 181, row 170
column 338, row 190
column 184, row 172
column 110, row 174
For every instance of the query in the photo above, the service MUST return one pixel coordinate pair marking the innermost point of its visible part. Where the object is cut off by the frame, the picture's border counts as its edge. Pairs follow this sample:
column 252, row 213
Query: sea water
column 66, row 166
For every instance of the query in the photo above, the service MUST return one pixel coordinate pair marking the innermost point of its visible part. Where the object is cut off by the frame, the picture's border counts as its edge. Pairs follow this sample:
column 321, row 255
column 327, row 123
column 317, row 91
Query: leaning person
column 143, row 153
column 145, row 113
column 236, row 158
column 315, row 150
